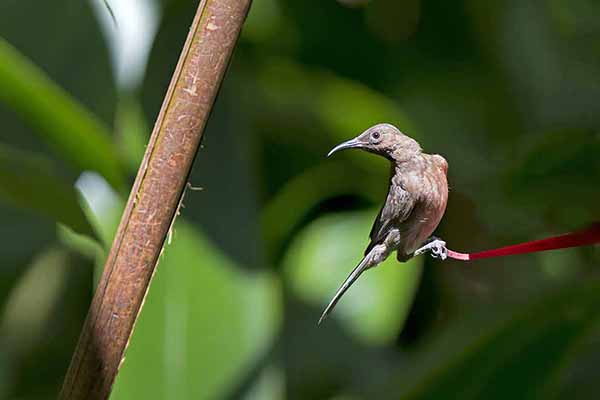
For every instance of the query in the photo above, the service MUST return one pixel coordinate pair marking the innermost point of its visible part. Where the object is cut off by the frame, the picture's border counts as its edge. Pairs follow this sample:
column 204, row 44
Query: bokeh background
column 508, row 91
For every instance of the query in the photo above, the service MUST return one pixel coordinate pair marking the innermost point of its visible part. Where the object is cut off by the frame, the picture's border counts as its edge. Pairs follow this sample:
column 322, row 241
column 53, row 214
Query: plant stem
column 154, row 199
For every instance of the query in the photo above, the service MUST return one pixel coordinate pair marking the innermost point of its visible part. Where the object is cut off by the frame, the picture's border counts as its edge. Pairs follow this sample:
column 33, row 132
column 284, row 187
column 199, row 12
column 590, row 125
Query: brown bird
column 414, row 206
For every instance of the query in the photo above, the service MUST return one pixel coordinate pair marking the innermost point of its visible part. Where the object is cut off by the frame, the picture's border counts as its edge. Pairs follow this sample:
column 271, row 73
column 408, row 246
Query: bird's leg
column 436, row 246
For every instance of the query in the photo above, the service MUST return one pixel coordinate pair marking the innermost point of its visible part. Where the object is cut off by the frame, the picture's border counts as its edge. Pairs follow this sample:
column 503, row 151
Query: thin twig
column 154, row 199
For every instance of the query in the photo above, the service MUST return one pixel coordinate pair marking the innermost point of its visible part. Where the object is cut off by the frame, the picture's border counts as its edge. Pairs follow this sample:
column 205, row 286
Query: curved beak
column 350, row 144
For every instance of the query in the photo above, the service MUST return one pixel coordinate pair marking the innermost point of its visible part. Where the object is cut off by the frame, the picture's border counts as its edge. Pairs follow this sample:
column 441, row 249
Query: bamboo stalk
column 154, row 199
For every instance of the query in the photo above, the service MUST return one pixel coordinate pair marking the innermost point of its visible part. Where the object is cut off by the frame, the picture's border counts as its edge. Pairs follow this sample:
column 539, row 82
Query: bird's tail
column 365, row 264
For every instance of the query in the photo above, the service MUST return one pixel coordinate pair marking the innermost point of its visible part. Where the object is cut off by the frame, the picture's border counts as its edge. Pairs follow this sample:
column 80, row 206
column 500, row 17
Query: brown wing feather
column 397, row 208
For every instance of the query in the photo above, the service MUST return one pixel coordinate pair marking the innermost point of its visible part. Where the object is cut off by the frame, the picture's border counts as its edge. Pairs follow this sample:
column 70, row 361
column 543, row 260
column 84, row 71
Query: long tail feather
column 356, row 272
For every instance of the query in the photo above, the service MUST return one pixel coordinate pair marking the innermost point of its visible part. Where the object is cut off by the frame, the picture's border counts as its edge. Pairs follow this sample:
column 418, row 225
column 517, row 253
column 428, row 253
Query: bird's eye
column 375, row 135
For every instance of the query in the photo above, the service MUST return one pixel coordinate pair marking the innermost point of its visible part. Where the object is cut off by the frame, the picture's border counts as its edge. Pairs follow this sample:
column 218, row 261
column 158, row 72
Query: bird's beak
column 350, row 144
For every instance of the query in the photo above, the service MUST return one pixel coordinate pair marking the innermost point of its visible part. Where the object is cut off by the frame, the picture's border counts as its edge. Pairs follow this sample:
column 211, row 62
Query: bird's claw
column 436, row 247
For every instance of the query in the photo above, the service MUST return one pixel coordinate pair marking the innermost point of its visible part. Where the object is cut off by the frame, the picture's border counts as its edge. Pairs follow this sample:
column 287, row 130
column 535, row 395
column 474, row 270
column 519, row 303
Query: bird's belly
column 428, row 184
column 421, row 226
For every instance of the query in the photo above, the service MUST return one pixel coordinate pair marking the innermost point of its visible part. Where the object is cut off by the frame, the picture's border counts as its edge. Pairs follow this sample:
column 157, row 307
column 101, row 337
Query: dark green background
column 507, row 91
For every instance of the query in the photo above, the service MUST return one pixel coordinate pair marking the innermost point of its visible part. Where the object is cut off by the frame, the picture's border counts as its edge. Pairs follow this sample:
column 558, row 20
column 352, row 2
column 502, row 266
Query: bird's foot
column 436, row 247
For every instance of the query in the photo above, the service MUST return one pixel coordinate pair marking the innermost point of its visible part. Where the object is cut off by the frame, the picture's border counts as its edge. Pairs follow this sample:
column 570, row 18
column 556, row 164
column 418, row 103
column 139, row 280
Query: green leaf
column 132, row 131
column 63, row 123
column 304, row 193
column 270, row 384
column 559, row 168
column 205, row 323
column 377, row 305
column 102, row 205
column 30, row 181
column 521, row 357
column 110, row 11
column 343, row 107
column 31, row 301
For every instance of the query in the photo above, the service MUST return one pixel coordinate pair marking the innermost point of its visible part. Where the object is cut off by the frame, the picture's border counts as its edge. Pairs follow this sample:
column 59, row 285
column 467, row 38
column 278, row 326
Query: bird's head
column 385, row 140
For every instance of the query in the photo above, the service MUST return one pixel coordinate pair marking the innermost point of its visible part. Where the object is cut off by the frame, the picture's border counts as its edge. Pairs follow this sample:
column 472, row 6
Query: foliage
column 506, row 92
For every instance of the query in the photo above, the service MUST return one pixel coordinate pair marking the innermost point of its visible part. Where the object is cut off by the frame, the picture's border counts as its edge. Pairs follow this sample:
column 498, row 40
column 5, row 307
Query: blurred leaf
column 269, row 385
column 576, row 18
column 102, row 205
column 348, row 107
column 129, row 28
column 377, row 305
column 354, row 3
column 560, row 265
column 110, row 11
column 205, row 323
column 81, row 244
column 264, row 22
column 304, row 193
column 394, row 21
column 66, row 126
column 103, row 208
column 29, row 309
column 31, row 181
column 31, row 301
column 132, row 131
column 520, row 358
column 560, row 169
column 343, row 107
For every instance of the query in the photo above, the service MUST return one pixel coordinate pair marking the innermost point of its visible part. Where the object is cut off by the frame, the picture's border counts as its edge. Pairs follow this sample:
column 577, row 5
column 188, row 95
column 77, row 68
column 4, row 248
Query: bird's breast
column 428, row 183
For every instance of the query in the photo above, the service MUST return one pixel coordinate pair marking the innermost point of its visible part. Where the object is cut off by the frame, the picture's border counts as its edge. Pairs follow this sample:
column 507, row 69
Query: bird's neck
column 405, row 151
column 404, row 164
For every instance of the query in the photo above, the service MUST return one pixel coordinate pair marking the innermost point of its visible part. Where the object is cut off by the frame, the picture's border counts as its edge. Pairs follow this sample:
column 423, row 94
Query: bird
column 414, row 206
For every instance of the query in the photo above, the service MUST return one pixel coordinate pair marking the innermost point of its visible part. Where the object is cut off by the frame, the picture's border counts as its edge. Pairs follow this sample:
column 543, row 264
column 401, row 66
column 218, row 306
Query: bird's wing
column 397, row 208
